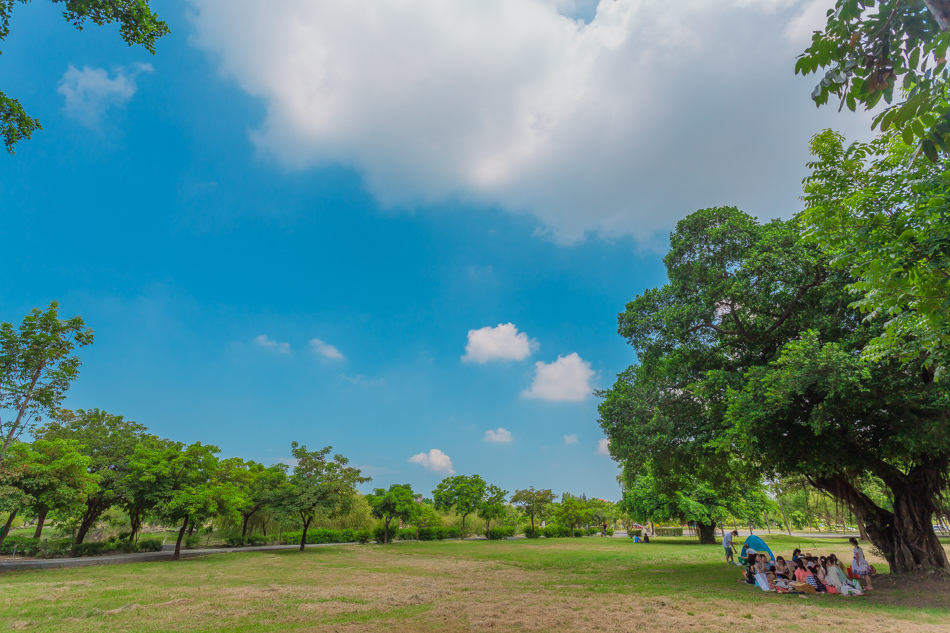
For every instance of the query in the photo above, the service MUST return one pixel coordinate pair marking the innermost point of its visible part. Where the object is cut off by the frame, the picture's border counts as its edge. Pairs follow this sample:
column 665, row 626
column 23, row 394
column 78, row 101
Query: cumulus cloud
column 566, row 380
column 570, row 439
column 325, row 349
column 503, row 342
column 435, row 460
column 90, row 92
column 502, row 435
column 603, row 446
column 618, row 125
column 268, row 343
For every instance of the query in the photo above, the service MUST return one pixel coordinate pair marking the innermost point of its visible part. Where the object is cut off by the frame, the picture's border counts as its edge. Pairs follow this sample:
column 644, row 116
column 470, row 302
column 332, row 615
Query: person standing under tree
column 728, row 546
column 860, row 568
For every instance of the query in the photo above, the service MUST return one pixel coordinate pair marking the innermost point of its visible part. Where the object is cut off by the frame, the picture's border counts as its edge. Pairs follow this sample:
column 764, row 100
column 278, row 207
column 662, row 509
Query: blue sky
column 213, row 210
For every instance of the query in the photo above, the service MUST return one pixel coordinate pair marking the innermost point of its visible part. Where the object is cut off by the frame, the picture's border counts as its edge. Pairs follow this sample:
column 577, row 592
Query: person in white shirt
column 727, row 545
column 860, row 567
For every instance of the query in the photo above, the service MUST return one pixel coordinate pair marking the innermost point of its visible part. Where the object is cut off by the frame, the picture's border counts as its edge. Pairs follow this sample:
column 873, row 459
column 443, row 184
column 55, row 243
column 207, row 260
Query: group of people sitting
column 808, row 574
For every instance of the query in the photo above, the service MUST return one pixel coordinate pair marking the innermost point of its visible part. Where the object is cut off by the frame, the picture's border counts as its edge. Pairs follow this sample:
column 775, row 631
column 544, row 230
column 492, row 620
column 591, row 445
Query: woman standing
column 859, row 565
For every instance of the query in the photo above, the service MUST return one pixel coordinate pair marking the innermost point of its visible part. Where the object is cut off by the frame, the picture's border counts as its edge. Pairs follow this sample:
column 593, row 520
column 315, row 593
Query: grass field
column 588, row 584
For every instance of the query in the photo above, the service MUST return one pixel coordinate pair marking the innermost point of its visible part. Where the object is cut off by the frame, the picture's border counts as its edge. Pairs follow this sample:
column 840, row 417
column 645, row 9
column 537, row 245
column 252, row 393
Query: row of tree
column 813, row 349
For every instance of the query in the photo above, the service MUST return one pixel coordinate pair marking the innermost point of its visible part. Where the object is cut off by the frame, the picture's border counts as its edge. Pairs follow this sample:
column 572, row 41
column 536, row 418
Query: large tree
column 318, row 487
column 37, row 365
column 108, row 440
column 259, row 485
column 464, row 493
column 137, row 25
column 492, row 506
column 751, row 351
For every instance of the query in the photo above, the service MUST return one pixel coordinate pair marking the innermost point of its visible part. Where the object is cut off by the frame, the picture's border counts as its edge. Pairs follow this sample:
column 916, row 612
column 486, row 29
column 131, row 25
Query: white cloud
column 570, row 439
column 435, row 460
column 90, row 92
column 503, row 342
column 502, row 435
column 363, row 381
column 325, row 349
column 566, row 380
column 620, row 125
column 268, row 343
column 603, row 446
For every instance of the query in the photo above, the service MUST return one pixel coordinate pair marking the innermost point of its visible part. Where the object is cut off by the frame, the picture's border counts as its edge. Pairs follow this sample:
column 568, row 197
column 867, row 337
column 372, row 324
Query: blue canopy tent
column 754, row 542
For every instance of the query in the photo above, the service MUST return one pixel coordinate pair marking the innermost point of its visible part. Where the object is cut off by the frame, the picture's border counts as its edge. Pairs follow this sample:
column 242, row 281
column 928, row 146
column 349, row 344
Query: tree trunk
column 707, row 533
column 135, row 522
column 94, row 509
column 247, row 517
column 532, row 526
column 386, row 532
column 40, row 520
column 303, row 537
column 6, row 528
column 191, row 529
column 784, row 518
column 181, row 535
column 488, row 528
column 463, row 526
column 905, row 537
column 941, row 12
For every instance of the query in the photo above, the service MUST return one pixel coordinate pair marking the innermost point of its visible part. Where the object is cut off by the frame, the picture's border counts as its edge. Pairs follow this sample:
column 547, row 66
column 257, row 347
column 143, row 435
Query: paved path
column 115, row 559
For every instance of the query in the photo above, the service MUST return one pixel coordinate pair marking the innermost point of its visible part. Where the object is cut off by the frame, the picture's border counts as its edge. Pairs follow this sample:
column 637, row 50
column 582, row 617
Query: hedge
column 669, row 531
column 57, row 548
column 501, row 531
column 554, row 530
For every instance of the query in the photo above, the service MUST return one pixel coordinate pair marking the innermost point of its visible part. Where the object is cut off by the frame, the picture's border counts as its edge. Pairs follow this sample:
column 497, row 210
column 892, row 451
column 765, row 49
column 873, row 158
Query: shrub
column 501, row 531
column 149, row 545
column 406, row 534
column 450, row 532
column 364, row 536
column 535, row 534
column 592, row 531
column 555, row 530
column 21, row 545
column 258, row 539
column 632, row 533
column 669, row 531
column 610, row 531
column 321, row 535
column 430, row 533
column 234, row 540
column 84, row 549
column 191, row 542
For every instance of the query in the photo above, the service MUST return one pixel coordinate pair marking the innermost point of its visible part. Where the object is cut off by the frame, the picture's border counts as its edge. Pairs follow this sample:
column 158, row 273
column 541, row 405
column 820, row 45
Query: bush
column 501, row 531
column 535, row 534
column 234, row 540
column 406, row 534
column 364, row 536
column 632, row 533
column 149, row 545
column 191, row 542
column 592, row 531
column 555, row 530
column 449, row 531
column 21, row 545
column 258, row 539
column 610, row 531
column 81, row 549
column 321, row 535
column 430, row 533
column 669, row 531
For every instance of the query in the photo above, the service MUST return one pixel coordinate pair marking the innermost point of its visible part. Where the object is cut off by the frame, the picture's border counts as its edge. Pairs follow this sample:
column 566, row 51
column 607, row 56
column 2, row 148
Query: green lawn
column 544, row 585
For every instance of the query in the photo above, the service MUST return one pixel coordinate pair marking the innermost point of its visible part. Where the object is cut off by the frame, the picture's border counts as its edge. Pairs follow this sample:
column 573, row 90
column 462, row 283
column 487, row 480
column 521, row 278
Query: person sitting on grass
column 860, row 567
column 796, row 554
column 803, row 574
column 782, row 569
column 837, row 579
column 762, row 567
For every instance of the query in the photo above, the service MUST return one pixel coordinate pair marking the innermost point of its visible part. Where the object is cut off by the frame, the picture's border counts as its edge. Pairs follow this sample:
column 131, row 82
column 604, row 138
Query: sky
column 401, row 229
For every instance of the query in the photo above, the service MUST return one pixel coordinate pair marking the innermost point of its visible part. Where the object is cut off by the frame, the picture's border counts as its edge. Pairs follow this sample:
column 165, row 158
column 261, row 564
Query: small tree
column 318, row 486
column 259, row 485
column 187, row 483
column 36, row 367
column 396, row 503
column 533, row 503
column 573, row 512
column 464, row 493
column 108, row 440
column 50, row 475
column 492, row 506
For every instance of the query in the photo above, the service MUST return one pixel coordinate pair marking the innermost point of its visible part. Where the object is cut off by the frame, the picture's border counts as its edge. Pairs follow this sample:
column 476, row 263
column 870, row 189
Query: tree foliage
column 890, row 50
column 398, row 503
column 533, row 503
column 37, row 365
column 464, row 493
column 886, row 220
